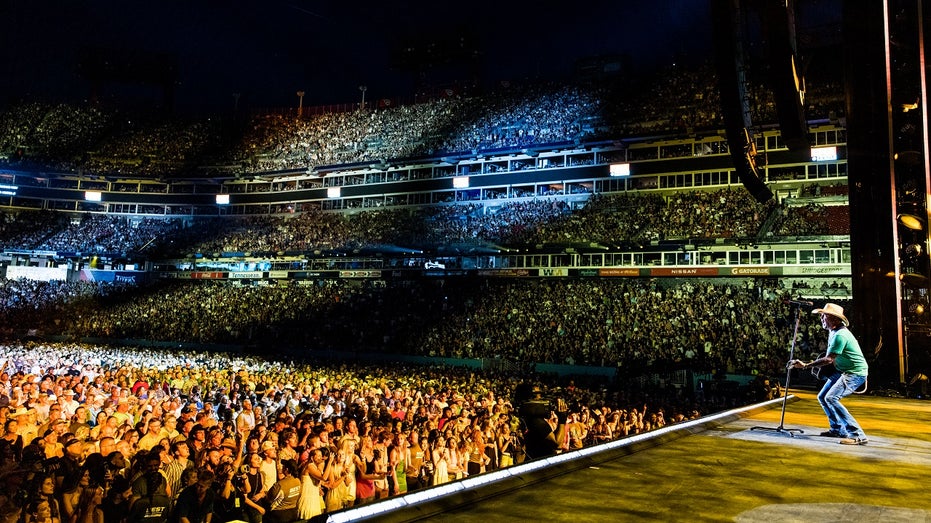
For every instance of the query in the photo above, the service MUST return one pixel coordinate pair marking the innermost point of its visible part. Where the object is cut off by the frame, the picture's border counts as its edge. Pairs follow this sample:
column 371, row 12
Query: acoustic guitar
column 824, row 372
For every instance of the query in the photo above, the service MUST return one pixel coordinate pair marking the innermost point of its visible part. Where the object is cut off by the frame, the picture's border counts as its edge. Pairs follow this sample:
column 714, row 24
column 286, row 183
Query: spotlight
column 913, row 250
column 911, row 221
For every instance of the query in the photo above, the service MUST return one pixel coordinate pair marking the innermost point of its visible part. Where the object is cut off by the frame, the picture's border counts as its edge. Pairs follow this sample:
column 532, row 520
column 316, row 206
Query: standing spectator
column 253, row 489
column 180, row 454
column 415, row 462
column 441, row 457
column 478, row 458
column 245, row 422
column 284, row 495
column 197, row 441
column 398, row 458
column 342, row 486
column 366, row 473
column 505, row 442
column 74, row 484
column 269, row 467
column 195, row 503
column 152, row 436
column 313, row 475
column 116, row 505
column 170, row 428
column 43, row 507
column 288, row 445
column 382, row 467
column 90, row 511
column 229, row 504
column 50, row 444
column 12, row 438
column 151, row 500
column 98, row 463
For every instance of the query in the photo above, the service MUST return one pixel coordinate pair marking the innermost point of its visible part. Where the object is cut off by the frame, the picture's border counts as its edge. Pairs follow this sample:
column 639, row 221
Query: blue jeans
column 838, row 386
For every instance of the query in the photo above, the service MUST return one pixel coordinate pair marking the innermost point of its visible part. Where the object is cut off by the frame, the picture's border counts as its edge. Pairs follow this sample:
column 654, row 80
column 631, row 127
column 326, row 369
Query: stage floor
column 734, row 473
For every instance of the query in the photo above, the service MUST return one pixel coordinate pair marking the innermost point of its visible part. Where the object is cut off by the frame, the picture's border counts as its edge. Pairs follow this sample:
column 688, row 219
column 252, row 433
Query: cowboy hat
column 834, row 310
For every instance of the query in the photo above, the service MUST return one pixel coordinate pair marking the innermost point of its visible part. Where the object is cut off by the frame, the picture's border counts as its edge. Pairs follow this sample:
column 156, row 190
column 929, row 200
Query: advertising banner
column 15, row 272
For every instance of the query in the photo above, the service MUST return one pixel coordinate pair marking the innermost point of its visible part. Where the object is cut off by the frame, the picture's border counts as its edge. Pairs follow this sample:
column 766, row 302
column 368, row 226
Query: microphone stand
column 785, row 394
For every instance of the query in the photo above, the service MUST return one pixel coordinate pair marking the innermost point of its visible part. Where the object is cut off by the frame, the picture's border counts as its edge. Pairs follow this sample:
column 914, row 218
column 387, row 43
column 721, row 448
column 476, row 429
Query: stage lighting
column 911, row 221
column 913, row 250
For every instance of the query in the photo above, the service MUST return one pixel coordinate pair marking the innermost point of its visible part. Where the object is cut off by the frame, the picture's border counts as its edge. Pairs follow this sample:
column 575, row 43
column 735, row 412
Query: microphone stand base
column 780, row 429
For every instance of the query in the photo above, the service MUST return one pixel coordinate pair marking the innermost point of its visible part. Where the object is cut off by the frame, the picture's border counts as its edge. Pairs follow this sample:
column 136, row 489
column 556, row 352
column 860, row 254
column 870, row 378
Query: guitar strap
column 825, row 371
column 861, row 389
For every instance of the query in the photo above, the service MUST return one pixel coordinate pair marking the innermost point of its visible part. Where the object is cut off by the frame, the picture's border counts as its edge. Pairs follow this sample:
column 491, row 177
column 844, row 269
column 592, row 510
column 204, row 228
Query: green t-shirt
column 847, row 354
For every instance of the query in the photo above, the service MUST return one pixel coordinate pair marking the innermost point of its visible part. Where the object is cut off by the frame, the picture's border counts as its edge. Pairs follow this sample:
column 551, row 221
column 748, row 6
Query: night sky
column 267, row 50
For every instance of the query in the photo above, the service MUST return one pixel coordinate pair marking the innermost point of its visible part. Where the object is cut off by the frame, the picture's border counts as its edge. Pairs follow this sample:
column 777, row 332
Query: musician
column 848, row 376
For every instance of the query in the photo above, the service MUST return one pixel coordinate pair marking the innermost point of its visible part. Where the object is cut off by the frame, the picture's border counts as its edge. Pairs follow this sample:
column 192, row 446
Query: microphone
column 799, row 302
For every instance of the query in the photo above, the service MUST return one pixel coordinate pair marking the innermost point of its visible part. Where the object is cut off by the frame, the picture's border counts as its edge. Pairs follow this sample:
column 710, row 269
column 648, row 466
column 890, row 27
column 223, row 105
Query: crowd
column 150, row 149
column 96, row 434
column 737, row 325
column 51, row 136
column 102, row 234
column 103, row 141
column 613, row 219
column 632, row 325
column 803, row 220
